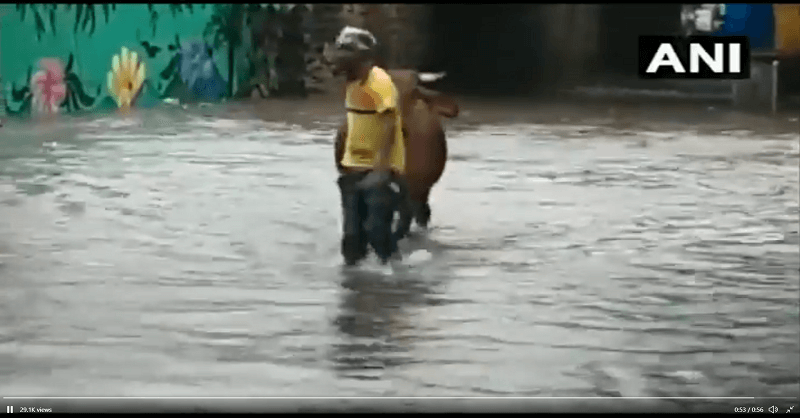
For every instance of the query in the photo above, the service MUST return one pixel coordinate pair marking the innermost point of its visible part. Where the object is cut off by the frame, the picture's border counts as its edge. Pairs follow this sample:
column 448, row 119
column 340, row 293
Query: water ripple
column 176, row 253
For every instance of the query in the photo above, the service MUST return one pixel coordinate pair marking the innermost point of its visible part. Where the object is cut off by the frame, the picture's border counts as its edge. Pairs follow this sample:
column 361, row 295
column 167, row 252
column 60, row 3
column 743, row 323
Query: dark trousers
column 368, row 218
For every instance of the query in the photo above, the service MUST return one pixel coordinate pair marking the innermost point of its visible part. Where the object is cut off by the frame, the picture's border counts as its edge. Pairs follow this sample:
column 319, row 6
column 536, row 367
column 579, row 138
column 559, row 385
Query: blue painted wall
column 756, row 21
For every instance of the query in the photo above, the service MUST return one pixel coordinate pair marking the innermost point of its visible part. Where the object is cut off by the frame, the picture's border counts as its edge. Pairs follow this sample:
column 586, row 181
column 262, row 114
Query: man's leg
column 381, row 204
column 354, row 239
column 403, row 207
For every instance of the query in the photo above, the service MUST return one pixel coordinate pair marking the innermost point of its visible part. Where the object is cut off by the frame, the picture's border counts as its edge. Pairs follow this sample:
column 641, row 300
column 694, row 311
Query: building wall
column 756, row 21
column 571, row 33
column 521, row 48
column 787, row 42
column 128, row 26
column 787, row 28
column 401, row 29
column 620, row 27
column 513, row 48
column 527, row 47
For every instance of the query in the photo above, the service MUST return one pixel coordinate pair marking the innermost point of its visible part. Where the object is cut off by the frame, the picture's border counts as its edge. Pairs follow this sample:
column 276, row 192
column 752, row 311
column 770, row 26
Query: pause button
column 9, row 409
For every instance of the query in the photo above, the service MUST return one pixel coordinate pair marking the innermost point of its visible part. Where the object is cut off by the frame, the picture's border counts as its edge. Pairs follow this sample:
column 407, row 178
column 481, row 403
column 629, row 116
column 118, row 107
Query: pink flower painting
column 48, row 86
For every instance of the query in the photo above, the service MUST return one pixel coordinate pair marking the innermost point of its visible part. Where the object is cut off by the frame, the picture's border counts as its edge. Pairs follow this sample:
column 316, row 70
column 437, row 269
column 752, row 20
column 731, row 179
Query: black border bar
column 397, row 405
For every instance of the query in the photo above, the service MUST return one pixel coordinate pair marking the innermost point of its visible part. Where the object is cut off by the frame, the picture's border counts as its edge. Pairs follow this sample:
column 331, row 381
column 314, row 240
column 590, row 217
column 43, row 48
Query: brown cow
column 426, row 145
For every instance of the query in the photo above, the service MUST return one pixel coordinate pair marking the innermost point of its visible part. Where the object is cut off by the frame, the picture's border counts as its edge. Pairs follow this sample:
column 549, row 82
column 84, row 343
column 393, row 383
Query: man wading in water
column 374, row 151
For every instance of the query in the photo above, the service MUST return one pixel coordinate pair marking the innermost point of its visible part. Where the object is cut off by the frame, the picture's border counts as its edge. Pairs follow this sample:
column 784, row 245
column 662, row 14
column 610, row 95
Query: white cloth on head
column 361, row 39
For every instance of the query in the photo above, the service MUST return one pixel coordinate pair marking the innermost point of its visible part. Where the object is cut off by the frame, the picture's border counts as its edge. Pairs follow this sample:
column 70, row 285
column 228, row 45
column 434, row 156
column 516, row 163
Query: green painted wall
column 127, row 26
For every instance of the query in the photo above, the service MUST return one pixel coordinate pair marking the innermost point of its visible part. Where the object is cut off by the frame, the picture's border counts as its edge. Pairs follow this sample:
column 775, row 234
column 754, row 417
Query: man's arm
column 387, row 100
column 386, row 138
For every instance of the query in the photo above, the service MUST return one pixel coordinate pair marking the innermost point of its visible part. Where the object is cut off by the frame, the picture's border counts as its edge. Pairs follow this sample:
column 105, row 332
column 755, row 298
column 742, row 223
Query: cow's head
column 439, row 103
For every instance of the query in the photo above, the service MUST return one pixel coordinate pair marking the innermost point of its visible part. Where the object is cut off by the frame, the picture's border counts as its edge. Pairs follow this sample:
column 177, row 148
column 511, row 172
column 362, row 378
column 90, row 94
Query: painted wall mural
column 23, row 101
column 48, row 87
column 195, row 65
column 126, row 78
column 91, row 57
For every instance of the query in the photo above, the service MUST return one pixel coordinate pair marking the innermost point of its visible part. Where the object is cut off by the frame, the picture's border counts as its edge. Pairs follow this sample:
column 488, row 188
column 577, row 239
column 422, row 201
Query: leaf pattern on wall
column 85, row 15
column 21, row 95
column 77, row 98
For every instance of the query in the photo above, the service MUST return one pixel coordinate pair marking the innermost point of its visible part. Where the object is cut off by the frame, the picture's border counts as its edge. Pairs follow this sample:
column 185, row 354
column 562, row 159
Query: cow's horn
column 431, row 77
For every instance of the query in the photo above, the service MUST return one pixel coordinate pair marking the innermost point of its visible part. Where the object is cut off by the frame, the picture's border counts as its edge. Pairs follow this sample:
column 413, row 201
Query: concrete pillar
column 2, row 82
column 572, row 32
column 353, row 14
column 756, row 92
column 3, row 91
column 400, row 28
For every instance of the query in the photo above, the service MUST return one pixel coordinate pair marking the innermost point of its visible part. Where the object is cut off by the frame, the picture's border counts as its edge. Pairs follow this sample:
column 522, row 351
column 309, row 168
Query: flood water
column 170, row 253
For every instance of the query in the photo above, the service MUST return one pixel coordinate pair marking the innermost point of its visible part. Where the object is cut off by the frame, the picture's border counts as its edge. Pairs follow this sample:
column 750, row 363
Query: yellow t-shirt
column 364, row 102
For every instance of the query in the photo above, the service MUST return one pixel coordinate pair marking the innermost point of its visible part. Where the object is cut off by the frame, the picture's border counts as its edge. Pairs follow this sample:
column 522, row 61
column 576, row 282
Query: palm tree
column 265, row 30
column 226, row 26
column 292, row 48
column 282, row 30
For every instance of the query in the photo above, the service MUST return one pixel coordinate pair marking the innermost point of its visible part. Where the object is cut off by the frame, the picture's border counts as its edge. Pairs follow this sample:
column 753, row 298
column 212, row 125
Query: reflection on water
column 375, row 323
column 176, row 254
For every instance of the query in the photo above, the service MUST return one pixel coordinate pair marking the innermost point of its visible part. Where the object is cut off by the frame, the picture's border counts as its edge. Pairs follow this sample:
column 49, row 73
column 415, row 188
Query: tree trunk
column 2, row 95
column 230, row 70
